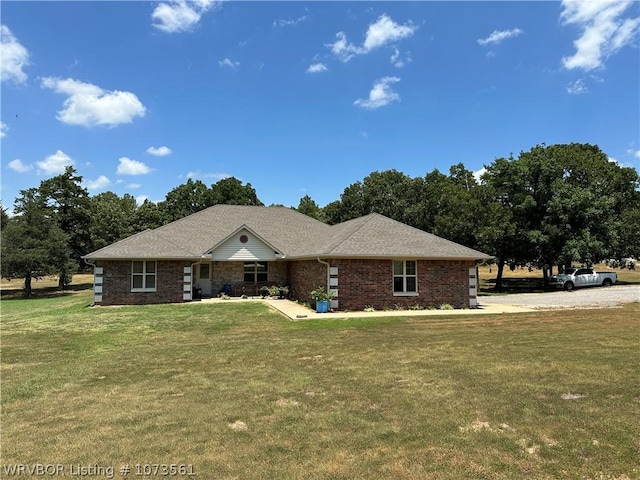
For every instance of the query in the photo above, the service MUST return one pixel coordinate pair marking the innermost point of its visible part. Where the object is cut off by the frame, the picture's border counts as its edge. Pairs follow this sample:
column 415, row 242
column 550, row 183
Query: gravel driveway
column 583, row 298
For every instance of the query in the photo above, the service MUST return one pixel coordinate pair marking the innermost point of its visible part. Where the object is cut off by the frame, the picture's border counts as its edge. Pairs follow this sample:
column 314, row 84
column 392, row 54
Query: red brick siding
column 363, row 283
column 304, row 276
column 116, row 287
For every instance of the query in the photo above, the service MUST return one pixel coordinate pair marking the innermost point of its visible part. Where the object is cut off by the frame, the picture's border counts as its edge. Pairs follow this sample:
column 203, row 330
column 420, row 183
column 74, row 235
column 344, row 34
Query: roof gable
column 244, row 244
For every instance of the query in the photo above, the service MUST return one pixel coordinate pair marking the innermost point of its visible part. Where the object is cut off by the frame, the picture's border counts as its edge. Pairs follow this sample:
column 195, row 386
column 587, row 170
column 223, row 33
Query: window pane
column 262, row 277
column 398, row 284
column 261, row 266
column 151, row 281
column 151, row 267
column 249, row 277
column 204, row 270
column 137, row 281
column 411, row 267
column 411, row 284
column 138, row 267
column 249, row 267
column 398, row 267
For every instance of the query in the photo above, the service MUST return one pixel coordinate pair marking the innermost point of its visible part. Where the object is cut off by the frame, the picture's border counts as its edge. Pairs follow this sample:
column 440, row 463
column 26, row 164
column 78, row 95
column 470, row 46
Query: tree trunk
column 501, row 263
column 545, row 272
column 27, row 285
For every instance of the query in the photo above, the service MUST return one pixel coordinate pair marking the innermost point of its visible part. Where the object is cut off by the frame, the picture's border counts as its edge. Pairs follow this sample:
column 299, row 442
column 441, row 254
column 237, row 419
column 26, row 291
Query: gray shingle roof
column 295, row 235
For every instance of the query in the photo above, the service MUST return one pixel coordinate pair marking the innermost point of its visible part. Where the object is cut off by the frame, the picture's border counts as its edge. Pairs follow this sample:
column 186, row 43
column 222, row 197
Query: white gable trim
column 244, row 245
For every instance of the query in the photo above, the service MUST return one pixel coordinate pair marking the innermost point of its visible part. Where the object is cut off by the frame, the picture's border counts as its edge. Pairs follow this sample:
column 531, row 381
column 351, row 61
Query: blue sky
column 306, row 98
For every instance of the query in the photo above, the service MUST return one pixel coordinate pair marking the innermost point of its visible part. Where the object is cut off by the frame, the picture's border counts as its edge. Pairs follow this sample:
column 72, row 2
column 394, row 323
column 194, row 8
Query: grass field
column 236, row 391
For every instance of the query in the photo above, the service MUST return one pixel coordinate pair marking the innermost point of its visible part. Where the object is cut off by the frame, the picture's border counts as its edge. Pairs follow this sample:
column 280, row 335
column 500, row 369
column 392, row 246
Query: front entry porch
column 236, row 278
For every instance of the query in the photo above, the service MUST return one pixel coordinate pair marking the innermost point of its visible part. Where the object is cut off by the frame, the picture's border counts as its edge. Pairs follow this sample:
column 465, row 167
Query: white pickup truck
column 582, row 277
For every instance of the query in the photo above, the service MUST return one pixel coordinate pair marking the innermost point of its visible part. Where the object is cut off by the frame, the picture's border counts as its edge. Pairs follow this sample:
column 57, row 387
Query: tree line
column 550, row 206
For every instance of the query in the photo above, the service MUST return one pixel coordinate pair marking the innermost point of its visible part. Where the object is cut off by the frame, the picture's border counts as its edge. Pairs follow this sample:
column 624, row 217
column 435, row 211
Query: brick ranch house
column 369, row 261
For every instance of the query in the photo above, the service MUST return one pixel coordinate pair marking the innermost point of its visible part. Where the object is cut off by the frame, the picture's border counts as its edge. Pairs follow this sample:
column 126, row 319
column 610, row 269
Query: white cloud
column 140, row 199
column 228, row 63
column 134, row 186
column 637, row 154
column 380, row 95
column 198, row 175
column 578, row 87
column 384, row 31
column 99, row 183
column 14, row 57
column 317, row 68
column 604, row 32
column 180, row 15
column 397, row 60
column 3, row 129
column 344, row 50
column 18, row 166
column 160, row 151
column 498, row 36
column 54, row 164
column 282, row 22
column 126, row 166
column 89, row 105
column 380, row 33
column 478, row 173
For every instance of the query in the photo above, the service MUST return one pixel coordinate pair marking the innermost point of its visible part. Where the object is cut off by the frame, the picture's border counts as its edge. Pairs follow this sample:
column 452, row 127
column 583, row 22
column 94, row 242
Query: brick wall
column 304, row 276
column 233, row 273
column 116, row 287
column 363, row 283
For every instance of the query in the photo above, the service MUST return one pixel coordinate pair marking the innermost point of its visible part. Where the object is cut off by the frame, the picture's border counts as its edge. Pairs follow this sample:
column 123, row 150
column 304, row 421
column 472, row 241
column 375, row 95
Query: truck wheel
column 607, row 282
column 569, row 286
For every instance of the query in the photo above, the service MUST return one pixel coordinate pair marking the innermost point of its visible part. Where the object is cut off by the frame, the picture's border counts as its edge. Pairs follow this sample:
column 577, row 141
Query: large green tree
column 188, row 198
column 149, row 215
column 112, row 218
column 33, row 245
column 70, row 207
column 231, row 191
column 567, row 202
column 310, row 208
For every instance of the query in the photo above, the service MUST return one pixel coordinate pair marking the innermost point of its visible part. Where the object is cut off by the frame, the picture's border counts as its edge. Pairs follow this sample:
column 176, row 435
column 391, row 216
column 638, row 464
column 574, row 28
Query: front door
column 203, row 279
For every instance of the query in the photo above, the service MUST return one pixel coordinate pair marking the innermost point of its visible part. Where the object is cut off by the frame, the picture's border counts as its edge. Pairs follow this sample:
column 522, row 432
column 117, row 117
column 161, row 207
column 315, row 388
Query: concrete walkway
column 294, row 311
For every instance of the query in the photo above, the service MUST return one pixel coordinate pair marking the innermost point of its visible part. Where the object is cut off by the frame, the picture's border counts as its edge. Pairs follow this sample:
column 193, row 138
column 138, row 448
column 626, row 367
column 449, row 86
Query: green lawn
column 239, row 392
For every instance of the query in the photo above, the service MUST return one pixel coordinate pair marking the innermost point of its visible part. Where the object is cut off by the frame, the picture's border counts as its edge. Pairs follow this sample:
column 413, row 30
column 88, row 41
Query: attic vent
column 244, row 239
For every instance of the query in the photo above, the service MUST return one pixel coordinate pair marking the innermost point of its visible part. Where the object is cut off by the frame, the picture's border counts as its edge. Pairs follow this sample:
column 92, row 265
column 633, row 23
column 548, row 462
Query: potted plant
column 322, row 299
column 274, row 291
column 283, row 292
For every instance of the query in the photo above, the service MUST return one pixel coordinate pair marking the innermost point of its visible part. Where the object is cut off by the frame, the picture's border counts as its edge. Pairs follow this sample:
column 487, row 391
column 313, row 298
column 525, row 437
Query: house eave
column 392, row 256
column 143, row 257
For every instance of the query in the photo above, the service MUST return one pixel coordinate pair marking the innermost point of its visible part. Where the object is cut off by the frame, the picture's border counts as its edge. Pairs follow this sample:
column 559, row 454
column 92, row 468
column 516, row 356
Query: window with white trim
column 405, row 277
column 255, row 272
column 143, row 276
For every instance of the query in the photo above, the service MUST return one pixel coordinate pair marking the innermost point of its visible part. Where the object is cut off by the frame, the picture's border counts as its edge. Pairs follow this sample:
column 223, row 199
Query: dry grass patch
column 239, row 392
